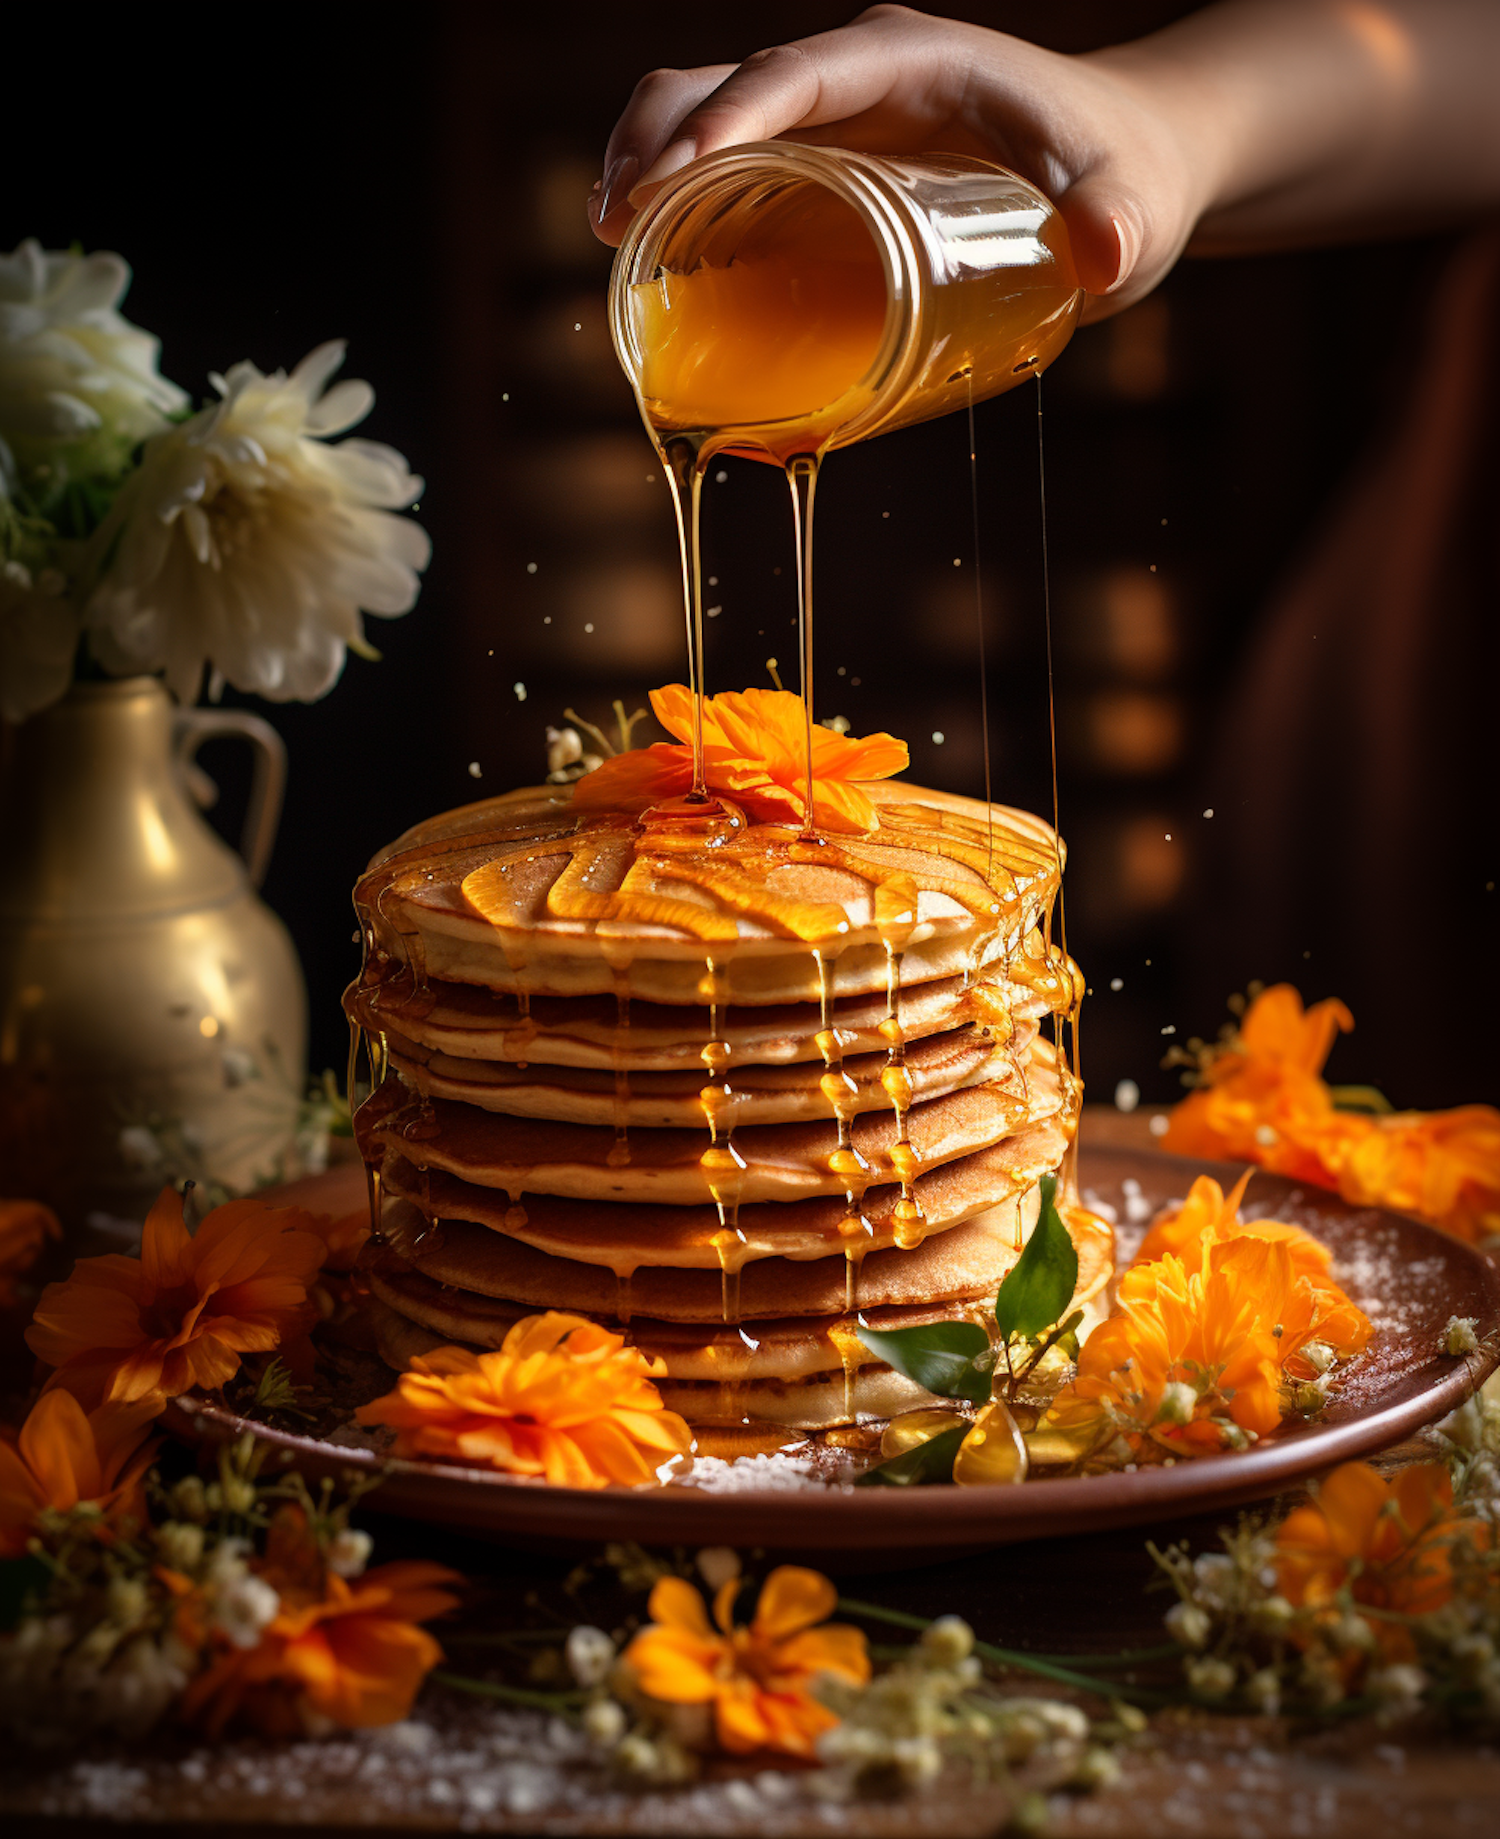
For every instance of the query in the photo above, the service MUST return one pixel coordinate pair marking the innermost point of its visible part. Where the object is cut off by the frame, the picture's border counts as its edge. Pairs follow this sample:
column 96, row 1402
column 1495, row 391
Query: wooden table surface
column 459, row 1765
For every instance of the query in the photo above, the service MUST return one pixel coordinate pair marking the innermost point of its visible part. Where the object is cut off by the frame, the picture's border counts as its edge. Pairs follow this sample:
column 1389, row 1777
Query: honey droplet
column 993, row 1452
column 914, row 1428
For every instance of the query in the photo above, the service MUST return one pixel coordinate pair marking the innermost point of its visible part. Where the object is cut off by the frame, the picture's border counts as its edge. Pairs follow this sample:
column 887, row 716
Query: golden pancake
column 967, row 1261
column 472, row 1023
column 807, row 1372
column 622, row 1236
column 774, row 1162
column 784, row 1094
column 516, row 893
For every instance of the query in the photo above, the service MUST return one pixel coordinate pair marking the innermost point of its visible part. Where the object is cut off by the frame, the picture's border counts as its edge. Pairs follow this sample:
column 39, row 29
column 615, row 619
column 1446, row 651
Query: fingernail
column 618, row 179
column 1129, row 245
column 672, row 159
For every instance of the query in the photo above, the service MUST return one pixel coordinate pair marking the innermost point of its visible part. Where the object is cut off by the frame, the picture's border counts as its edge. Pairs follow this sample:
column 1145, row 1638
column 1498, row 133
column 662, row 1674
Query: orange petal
column 793, row 1598
column 674, row 1603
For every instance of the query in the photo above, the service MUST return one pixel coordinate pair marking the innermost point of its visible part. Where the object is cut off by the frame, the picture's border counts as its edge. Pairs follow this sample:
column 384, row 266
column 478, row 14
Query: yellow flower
column 184, row 1312
column 563, row 1398
column 755, row 753
column 757, row 1679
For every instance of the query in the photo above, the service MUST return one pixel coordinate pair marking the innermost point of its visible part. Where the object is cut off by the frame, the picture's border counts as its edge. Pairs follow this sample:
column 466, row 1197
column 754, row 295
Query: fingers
column 678, row 115
column 659, row 101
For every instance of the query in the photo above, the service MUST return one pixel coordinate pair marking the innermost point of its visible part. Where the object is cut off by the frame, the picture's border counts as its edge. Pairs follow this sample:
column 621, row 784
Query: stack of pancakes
column 730, row 1090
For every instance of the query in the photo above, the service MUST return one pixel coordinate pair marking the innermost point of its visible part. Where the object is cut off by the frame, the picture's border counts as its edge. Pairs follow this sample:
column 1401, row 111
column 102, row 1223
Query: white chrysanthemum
column 74, row 373
column 38, row 639
column 248, row 544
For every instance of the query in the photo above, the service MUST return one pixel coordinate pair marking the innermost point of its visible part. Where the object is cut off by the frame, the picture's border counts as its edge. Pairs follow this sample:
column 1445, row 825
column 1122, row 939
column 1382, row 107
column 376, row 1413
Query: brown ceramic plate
column 1408, row 1278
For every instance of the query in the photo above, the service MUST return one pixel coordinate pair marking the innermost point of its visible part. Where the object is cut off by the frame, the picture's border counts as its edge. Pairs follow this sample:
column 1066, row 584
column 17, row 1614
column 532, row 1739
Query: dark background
column 415, row 182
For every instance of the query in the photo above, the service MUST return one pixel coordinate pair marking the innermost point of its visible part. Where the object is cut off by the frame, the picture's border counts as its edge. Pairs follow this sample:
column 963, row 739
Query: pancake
column 518, row 894
column 967, row 1261
column 469, row 1022
column 776, row 1162
column 622, row 1236
column 785, row 1094
column 807, row 1372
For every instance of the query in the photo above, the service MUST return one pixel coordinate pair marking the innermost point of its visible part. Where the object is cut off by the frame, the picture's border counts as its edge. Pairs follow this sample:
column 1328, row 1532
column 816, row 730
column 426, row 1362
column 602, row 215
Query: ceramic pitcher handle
column 268, row 787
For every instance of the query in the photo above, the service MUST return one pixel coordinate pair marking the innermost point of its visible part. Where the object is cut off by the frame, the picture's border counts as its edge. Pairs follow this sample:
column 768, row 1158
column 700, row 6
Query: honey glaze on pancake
column 468, row 1022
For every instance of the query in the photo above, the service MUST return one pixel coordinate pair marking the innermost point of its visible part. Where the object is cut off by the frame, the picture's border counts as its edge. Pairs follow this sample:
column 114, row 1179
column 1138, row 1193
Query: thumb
column 1107, row 228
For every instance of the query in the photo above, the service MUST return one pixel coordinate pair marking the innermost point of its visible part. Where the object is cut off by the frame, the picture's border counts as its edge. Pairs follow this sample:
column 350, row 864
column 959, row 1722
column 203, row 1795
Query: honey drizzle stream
column 1070, row 1021
column 721, row 1162
column 984, row 682
column 685, row 463
column 802, row 476
column 846, row 1162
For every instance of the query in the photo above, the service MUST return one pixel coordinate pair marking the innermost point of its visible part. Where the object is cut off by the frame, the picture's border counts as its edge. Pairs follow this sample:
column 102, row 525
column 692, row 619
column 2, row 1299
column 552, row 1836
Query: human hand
column 1129, row 174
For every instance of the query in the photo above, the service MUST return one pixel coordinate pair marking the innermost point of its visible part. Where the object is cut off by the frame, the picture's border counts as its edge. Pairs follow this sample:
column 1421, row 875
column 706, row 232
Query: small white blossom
column 247, row 544
column 1398, row 1689
column 917, row 1760
column 243, row 1609
column 948, row 1640
column 1178, row 1403
column 1095, row 1768
column 1263, row 1689
column 604, row 1723
column 179, row 1544
column 349, row 1552
column 1210, row 1678
column 1188, row 1625
column 1214, row 1579
column 126, row 1600
column 590, row 1655
column 1459, row 1337
column 718, row 1565
column 1318, row 1355
column 140, row 1148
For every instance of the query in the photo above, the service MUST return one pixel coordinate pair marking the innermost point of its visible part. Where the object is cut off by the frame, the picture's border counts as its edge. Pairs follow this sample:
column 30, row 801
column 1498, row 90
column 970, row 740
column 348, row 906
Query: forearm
column 1309, row 121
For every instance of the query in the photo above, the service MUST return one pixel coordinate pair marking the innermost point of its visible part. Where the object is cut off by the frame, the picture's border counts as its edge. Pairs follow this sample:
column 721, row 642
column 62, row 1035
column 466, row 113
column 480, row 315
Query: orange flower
column 186, row 1310
column 1315, row 1307
column 756, row 1678
column 350, row 1653
column 25, row 1227
column 563, row 1398
column 60, row 1458
column 755, row 753
column 1263, row 1101
column 1387, row 1543
column 1443, row 1166
column 343, row 1235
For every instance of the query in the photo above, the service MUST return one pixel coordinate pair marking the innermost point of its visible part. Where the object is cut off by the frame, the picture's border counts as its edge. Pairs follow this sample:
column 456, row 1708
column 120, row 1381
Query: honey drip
column 842, row 1092
column 722, row 1164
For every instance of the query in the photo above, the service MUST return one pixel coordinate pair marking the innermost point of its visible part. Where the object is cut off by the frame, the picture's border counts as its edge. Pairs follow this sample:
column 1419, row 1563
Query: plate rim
column 838, row 1518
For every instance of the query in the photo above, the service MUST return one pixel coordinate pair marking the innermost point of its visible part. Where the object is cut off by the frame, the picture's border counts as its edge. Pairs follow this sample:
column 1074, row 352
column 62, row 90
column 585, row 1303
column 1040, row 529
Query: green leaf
column 939, row 1356
column 1042, row 1282
column 929, row 1461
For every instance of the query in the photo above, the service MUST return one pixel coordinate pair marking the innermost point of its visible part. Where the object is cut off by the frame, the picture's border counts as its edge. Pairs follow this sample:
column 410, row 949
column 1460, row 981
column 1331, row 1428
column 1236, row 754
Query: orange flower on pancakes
column 563, row 1398
column 757, row 1679
column 184, row 1313
column 755, row 753
column 1389, row 1543
column 62, row 1458
column 1263, row 1100
column 25, row 1227
column 349, row 1653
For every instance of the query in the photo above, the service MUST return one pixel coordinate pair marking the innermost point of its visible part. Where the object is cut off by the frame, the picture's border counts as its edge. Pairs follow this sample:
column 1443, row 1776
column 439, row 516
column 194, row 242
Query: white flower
column 74, row 373
column 718, row 1565
column 1188, row 1625
column 1459, row 1336
column 947, row 1641
column 38, row 639
column 1210, row 1678
column 249, row 545
column 1398, row 1689
column 349, row 1552
column 590, row 1654
column 604, row 1723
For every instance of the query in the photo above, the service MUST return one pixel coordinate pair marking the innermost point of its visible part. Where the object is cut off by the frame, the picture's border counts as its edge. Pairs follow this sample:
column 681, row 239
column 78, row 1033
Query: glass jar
column 776, row 298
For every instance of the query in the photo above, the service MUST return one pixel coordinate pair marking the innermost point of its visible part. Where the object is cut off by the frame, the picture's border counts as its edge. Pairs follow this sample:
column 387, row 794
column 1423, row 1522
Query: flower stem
column 563, row 1703
column 1009, row 1657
